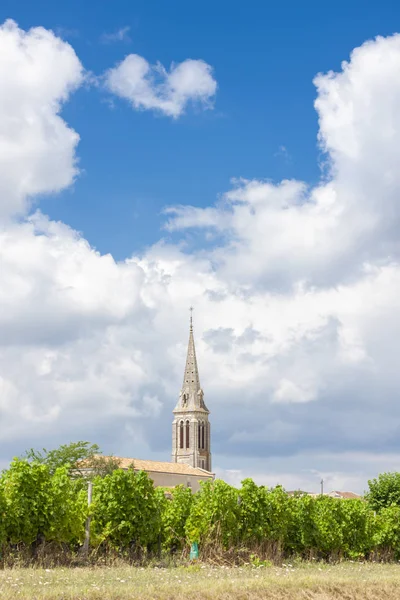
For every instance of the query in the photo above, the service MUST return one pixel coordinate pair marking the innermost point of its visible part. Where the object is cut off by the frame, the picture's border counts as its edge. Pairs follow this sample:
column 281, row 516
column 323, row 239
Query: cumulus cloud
column 321, row 267
column 38, row 72
column 288, row 232
column 297, row 317
column 152, row 87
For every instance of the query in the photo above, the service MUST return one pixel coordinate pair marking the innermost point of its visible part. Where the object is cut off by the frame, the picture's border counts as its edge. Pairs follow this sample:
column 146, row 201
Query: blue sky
column 264, row 55
column 278, row 164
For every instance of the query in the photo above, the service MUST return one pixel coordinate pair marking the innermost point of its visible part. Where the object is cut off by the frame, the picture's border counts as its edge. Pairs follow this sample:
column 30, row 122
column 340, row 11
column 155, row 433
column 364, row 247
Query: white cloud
column 287, row 232
column 121, row 35
column 287, row 391
column 38, row 72
column 297, row 317
column 60, row 304
column 150, row 87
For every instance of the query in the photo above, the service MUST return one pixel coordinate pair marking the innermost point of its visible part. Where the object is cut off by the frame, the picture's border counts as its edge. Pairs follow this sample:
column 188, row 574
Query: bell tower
column 191, row 436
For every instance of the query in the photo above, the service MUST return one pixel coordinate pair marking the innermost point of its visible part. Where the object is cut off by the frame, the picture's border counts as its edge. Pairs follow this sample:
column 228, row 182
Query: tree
column 81, row 458
column 101, row 465
column 384, row 491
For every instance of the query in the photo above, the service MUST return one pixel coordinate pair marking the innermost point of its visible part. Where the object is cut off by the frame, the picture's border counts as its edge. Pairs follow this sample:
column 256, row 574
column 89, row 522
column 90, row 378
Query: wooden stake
column 85, row 547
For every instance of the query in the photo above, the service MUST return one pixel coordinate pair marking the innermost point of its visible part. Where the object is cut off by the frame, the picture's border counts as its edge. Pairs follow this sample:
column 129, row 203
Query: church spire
column 191, row 396
column 191, row 379
column 191, row 433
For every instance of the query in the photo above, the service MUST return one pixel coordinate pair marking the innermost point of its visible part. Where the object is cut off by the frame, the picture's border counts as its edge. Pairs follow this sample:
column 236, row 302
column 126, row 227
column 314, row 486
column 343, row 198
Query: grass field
column 347, row 581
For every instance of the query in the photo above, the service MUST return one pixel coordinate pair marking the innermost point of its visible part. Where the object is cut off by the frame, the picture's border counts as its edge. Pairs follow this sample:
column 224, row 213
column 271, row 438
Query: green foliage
column 100, row 466
column 81, row 458
column 125, row 510
column 267, row 515
column 359, row 526
column 175, row 512
column 214, row 514
column 387, row 531
column 334, row 527
column 2, row 515
column 256, row 562
column 320, row 524
column 66, row 455
column 40, row 501
column 384, row 491
column 27, row 492
column 253, row 511
column 39, row 505
column 68, row 508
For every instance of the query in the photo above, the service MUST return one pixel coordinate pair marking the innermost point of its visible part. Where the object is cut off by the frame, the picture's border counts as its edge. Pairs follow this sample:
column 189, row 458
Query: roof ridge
column 164, row 466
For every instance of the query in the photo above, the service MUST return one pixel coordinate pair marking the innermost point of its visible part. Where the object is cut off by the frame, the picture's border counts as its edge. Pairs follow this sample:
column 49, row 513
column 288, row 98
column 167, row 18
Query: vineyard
column 40, row 507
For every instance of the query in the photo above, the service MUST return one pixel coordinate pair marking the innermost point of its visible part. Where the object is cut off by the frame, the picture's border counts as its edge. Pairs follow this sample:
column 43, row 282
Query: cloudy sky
column 243, row 159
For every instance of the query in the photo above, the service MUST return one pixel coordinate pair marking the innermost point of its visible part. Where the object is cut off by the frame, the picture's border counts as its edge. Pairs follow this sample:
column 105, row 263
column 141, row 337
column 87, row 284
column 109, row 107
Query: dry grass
column 346, row 581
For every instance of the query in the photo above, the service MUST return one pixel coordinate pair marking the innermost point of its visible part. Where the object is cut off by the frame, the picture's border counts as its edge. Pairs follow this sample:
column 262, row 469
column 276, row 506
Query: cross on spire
column 191, row 318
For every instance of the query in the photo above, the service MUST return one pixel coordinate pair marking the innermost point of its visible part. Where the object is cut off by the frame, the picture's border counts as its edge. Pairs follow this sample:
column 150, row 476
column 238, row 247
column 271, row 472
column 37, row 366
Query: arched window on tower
column 199, row 435
column 187, row 434
column 202, row 436
column 181, row 434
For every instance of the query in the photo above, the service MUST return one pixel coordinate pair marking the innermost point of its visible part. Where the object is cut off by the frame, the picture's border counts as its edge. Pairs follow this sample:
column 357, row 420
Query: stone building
column 164, row 474
column 191, row 434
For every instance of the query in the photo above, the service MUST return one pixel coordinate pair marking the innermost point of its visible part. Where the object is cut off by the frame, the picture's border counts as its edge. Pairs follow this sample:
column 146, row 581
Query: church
column 191, row 439
column 191, row 435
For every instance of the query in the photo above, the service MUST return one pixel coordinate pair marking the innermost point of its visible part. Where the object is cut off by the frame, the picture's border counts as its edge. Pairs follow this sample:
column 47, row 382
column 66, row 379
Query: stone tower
column 191, row 428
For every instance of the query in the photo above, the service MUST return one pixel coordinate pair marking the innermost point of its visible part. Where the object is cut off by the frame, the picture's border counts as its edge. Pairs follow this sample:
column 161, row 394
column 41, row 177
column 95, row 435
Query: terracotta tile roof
column 161, row 467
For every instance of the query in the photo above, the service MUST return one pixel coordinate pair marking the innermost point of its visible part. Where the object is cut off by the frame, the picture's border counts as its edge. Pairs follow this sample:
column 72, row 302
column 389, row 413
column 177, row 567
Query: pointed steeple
column 191, row 430
column 191, row 396
column 191, row 379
